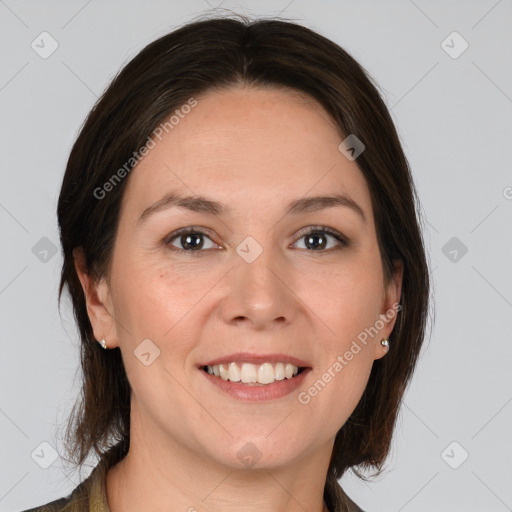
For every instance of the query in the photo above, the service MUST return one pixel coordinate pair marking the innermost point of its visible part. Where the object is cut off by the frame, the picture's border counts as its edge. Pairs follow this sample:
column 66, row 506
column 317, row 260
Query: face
column 255, row 281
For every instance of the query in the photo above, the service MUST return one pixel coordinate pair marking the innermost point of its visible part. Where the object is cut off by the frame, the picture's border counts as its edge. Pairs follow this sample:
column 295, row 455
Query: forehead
column 243, row 144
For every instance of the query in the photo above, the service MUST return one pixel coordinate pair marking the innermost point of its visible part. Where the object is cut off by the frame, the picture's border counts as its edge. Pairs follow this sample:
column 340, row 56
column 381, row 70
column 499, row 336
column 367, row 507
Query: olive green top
column 91, row 496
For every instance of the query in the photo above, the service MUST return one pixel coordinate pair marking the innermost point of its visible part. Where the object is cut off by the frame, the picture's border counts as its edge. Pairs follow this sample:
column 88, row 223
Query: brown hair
column 194, row 59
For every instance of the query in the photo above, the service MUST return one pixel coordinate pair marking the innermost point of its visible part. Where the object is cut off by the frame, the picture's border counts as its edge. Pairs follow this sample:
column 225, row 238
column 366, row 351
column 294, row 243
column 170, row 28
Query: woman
column 241, row 245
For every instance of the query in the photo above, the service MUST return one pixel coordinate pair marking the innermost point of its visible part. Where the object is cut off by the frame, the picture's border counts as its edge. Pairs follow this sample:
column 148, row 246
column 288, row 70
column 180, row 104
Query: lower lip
column 239, row 391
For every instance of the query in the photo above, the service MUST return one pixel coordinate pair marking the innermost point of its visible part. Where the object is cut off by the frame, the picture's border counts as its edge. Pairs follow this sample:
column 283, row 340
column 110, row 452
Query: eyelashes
column 191, row 240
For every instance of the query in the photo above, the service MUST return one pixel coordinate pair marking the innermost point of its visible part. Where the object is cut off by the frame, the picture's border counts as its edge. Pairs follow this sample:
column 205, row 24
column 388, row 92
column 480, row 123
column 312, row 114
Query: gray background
column 453, row 115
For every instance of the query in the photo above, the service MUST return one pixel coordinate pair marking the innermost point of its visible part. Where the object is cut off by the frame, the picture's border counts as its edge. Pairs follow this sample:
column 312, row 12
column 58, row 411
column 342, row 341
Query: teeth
column 233, row 373
column 279, row 371
column 266, row 374
column 249, row 373
column 223, row 372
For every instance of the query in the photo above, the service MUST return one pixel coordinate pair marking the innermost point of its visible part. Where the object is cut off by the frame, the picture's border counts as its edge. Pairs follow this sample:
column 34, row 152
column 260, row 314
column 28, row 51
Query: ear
column 390, row 307
column 99, row 306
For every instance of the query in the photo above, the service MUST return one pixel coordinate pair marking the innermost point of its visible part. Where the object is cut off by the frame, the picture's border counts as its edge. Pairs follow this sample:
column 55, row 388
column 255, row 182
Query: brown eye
column 189, row 240
column 316, row 239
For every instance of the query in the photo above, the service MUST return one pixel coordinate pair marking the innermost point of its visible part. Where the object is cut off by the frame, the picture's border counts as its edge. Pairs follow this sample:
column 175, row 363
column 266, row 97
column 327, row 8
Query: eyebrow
column 203, row 205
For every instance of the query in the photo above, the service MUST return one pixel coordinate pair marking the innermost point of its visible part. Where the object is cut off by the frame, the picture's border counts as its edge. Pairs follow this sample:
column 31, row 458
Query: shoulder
column 52, row 506
column 79, row 498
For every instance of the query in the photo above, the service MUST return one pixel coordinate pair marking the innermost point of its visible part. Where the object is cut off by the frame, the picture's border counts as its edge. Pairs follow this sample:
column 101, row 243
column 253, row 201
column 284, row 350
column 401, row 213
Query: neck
column 133, row 487
column 163, row 472
column 179, row 479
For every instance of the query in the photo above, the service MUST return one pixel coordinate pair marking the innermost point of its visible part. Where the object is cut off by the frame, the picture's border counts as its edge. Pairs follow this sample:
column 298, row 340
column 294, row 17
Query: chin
column 260, row 450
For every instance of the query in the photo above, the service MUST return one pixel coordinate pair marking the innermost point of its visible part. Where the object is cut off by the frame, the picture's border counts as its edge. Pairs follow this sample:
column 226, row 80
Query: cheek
column 143, row 302
column 160, row 300
column 350, row 299
column 348, row 309
column 155, row 293
column 334, row 392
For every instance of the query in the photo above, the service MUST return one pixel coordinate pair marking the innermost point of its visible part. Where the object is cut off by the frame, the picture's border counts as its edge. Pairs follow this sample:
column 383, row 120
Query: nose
column 260, row 294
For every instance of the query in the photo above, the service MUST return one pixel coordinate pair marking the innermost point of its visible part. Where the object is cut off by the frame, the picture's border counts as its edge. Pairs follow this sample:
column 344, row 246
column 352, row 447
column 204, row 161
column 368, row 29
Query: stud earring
column 385, row 344
column 103, row 343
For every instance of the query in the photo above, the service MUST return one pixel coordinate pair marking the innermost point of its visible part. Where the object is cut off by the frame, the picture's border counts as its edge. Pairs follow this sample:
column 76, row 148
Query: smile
column 252, row 374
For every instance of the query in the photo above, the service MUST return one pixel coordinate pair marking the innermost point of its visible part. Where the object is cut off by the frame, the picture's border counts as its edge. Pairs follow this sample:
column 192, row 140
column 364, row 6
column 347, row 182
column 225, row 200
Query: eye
column 316, row 238
column 191, row 240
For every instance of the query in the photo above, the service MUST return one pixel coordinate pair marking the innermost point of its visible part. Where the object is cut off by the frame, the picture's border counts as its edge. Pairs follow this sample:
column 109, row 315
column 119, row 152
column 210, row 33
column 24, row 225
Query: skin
column 254, row 150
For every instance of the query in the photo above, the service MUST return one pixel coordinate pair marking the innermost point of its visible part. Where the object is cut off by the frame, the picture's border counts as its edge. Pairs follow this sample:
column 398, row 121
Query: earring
column 103, row 343
column 385, row 344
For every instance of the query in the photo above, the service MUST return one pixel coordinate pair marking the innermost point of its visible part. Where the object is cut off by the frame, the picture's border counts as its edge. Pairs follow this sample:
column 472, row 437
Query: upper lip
column 246, row 357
